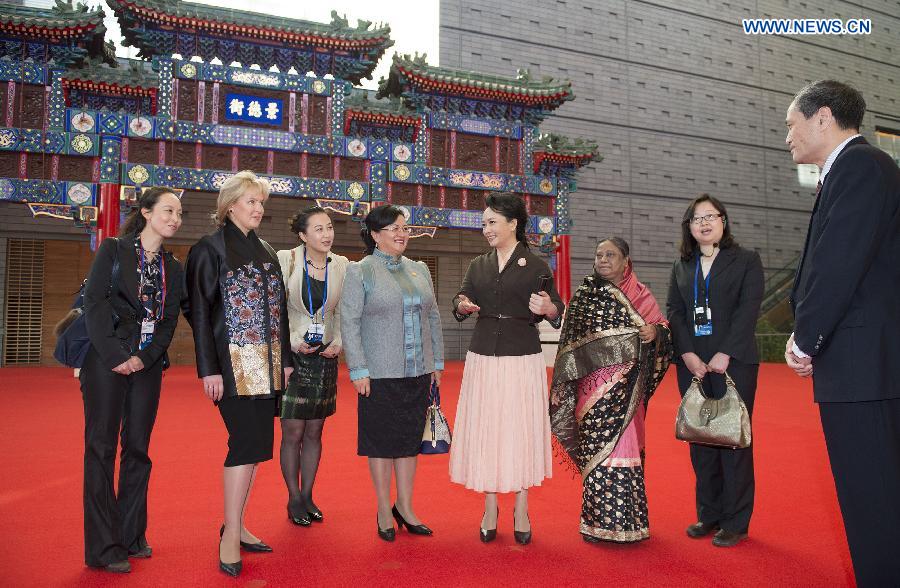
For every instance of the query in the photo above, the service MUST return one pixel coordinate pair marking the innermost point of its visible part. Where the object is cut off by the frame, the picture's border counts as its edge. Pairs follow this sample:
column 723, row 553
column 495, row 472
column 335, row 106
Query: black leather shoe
column 522, row 537
column 142, row 553
column 728, row 539
column 590, row 538
column 232, row 569
column 701, row 529
column 255, row 547
column 488, row 535
column 298, row 515
column 117, row 567
column 386, row 534
column 315, row 515
column 414, row 529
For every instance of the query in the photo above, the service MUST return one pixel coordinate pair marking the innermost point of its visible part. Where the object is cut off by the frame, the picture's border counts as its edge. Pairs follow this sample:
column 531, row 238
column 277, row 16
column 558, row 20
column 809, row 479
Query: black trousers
column 863, row 440
column 725, row 483
column 116, row 407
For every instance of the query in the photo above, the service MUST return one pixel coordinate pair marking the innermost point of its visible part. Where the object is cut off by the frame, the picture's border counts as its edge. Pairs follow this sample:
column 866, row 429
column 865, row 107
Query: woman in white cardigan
column 313, row 279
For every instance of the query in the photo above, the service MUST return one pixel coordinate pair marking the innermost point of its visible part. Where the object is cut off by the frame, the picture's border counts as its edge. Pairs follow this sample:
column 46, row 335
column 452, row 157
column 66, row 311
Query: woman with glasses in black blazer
column 714, row 297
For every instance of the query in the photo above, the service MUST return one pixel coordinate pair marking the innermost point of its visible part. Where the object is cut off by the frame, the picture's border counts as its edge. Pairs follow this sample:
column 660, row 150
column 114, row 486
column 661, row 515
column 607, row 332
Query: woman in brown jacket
column 502, row 436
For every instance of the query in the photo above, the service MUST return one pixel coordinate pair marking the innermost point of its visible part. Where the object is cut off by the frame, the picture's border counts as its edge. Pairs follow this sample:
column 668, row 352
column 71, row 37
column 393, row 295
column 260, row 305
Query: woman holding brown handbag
column 714, row 297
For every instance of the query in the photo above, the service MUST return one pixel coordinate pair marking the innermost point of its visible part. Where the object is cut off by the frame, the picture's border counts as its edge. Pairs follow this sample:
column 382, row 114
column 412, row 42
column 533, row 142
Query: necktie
column 818, row 188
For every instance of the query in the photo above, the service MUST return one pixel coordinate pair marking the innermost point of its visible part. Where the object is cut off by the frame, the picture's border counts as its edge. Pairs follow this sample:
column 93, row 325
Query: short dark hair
column 619, row 243
column 377, row 219
column 846, row 102
column 135, row 221
column 510, row 206
column 688, row 244
column 300, row 220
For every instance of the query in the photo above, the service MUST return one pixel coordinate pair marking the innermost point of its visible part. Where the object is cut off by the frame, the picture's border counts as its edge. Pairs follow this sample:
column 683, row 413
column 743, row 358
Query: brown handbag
column 722, row 422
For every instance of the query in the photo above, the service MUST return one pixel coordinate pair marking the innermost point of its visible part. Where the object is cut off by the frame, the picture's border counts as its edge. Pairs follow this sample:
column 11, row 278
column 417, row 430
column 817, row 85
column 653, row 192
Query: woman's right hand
column 123, row 368
column 466, row 306
column 213, row 387
column 694, row 364
column 362, row 386
column 304, row 348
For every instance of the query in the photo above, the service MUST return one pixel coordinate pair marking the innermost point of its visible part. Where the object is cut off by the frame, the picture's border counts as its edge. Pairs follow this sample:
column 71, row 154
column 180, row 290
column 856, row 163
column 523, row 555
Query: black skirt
column 251, row 429
column 392, row 417
column 312, row 388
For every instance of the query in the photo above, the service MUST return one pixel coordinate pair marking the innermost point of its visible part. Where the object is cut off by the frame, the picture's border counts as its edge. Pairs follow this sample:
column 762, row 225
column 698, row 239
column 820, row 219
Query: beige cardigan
column 297, row 313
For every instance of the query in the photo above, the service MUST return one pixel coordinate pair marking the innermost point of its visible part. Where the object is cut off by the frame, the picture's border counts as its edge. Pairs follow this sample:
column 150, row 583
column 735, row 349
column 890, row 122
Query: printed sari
column 603, row 378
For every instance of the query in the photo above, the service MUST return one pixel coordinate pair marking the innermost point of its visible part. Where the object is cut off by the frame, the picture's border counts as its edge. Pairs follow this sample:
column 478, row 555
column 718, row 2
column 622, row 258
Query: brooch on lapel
column 521, row 262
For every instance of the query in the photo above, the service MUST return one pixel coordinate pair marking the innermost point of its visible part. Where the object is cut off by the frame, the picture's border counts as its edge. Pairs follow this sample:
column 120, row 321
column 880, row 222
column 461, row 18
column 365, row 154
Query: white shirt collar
column 833, row 156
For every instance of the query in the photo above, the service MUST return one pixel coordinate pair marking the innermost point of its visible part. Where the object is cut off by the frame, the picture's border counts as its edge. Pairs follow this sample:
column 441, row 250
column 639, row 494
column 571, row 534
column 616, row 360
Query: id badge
column 706, row 329
column 314, row 333
column 147, row 327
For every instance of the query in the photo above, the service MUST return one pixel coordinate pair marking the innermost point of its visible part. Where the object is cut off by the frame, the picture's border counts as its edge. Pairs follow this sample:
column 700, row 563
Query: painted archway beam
column 412, row 73
column 226, row 22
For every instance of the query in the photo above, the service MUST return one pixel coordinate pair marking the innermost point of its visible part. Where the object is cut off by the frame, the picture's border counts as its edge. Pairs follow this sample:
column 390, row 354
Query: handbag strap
column 729, row 381
column 113, row 280
column 699, row 383
column 435, row 394
column 287, row 290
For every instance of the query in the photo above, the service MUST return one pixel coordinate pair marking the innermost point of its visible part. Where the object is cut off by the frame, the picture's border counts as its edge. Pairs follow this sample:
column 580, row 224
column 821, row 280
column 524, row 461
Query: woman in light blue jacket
column 394, row 348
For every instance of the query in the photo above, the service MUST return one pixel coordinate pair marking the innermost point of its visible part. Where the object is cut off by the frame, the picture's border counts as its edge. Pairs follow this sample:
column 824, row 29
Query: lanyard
column 309, row 308
column 696, row 277
column 162, row 271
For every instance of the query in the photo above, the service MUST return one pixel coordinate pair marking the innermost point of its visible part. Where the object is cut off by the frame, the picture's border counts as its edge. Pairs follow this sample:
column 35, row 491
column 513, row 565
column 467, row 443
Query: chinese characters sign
column 253, row 109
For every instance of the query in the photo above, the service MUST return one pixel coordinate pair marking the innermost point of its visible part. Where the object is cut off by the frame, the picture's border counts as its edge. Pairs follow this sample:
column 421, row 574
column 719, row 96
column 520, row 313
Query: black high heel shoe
column 488, row 535
column 522, row 537
column 255, row 547
column 298, row 515
column 414, row 529
column 314, row 513
column 386, row 534
column 232, row 569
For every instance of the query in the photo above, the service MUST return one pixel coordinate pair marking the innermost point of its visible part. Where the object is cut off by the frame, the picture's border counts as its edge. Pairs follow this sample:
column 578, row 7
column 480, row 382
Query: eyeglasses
column 706, row 218
column 395, row 229
column 607, row 255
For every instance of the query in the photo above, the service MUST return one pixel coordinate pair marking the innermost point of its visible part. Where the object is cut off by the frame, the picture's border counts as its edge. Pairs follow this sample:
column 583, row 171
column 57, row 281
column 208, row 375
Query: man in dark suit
column 846, row 302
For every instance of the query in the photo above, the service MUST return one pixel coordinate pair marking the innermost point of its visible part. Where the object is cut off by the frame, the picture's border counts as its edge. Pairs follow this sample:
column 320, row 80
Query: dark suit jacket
column 846, row 296
column 735, row 293
column 207, row 270
column 113, row 322
column 507, row 294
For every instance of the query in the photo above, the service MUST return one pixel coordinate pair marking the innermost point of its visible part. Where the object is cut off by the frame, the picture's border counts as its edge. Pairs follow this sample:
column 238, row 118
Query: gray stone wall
column 681, row 102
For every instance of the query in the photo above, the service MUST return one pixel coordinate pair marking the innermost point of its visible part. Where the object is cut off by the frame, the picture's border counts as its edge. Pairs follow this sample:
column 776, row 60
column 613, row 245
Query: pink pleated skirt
column 501, row 436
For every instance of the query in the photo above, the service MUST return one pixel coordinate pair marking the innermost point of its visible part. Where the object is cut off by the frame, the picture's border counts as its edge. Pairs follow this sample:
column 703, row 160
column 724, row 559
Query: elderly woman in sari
column 614, row 349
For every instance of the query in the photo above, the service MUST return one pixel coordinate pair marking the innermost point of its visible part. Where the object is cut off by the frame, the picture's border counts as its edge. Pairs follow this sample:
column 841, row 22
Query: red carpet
column 796, row 536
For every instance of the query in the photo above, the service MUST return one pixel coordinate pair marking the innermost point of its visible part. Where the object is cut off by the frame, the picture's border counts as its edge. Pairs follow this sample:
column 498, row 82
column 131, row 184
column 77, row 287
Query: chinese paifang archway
column 434, row 141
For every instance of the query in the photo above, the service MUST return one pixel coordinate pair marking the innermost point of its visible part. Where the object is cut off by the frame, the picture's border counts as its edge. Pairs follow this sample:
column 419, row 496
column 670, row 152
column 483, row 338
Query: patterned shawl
column 601, row 330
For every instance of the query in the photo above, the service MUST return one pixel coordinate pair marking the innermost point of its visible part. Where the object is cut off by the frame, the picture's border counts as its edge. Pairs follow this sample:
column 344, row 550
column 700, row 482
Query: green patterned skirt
column 312, row 388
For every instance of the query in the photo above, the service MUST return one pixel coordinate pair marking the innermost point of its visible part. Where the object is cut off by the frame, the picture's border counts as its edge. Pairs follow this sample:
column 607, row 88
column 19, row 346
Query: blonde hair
column 235, row 187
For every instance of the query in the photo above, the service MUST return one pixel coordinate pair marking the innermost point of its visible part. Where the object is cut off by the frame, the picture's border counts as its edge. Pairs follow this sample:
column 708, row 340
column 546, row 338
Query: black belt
column 504, row 316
